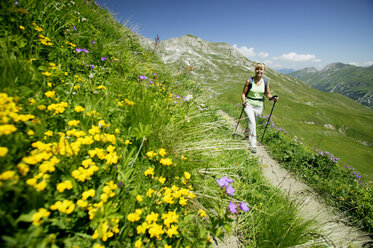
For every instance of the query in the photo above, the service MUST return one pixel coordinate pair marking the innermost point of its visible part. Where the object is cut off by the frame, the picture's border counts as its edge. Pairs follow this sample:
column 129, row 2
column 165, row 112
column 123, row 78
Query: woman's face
column 259, row 71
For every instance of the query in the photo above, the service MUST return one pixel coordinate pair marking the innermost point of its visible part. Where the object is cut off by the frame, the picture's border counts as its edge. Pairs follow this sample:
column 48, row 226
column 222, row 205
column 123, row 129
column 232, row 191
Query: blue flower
column 232, row 207
column 230, row 190
column 244, row 207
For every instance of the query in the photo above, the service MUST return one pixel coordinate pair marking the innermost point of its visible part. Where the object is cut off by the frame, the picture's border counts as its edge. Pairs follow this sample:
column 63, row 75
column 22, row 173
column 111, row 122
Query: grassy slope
column 352, row 81
column 139, row 117
column 301, row 105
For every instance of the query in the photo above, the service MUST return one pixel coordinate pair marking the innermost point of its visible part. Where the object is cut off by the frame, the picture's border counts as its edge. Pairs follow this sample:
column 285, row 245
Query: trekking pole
column 238, row 122
column 274, row 103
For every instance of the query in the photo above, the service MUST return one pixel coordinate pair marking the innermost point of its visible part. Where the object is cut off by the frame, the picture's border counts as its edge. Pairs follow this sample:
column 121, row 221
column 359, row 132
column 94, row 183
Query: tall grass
column 102, row 147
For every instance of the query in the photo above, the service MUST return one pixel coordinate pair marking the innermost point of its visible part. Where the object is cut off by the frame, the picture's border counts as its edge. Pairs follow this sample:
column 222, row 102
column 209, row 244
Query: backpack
column 251, row 84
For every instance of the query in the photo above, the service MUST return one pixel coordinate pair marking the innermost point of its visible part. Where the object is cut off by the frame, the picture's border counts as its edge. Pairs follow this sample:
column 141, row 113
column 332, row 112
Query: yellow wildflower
column 42, row 107
column 172, row 231
column 101, row 87
column 202, row 213
column 73, row 123
column 152, row 217
column 79, row 109
column 88, row 193
column 151, row 154
column 127, row 142
column 149, row 192
column 6, row 175
column 166, row 161
column 48, row 133
column 37, row 218
column 50, row 94
column 48, row 74
column 162, row 180
column 23, row 169
column 64, row 185
column 22, row 28
column 139, row 198
column 7, row 129
column 82, row 203
column 138, row 243
column 149, row 171
column 133, row 217
column 162, row 152
column 155, row 230
column 187, row 175
column 3, row 151
column 169, row 218
column 183, row 201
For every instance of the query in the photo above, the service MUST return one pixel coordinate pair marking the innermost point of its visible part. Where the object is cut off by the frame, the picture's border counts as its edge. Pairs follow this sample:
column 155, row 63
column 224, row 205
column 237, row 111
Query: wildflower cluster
column 163, row 224
column 225, row 183
column 67, row 153
column 326, row 154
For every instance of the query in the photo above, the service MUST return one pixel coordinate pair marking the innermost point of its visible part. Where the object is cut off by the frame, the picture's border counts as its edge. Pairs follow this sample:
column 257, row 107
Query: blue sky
column 281, row 33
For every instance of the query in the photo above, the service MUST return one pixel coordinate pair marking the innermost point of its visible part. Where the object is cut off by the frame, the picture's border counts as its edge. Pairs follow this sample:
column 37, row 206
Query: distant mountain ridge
column 349, row 80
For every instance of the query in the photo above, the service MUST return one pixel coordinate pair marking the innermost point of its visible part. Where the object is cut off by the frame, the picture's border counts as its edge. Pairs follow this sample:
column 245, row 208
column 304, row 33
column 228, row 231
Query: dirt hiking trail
column 334, row 231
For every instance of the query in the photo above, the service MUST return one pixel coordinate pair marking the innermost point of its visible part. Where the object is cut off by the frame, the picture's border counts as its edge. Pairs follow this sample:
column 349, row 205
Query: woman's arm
column 244, row 92
column 269, row 95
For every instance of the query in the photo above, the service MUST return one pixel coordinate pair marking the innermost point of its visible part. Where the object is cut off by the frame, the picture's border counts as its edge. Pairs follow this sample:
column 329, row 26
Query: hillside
column 104, row 145
column 352, row 81
column 324, row 120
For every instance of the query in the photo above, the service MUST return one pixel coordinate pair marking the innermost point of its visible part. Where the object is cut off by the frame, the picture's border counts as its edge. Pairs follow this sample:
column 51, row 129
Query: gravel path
column 333, row 228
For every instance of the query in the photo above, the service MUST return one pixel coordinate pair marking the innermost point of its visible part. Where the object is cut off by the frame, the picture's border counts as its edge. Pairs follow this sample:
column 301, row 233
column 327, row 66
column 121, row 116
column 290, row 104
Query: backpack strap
column 250, row 85
column 265, row 85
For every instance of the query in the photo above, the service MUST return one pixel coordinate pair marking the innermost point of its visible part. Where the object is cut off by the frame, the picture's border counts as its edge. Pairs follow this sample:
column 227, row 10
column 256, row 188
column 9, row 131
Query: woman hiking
column 252, row 101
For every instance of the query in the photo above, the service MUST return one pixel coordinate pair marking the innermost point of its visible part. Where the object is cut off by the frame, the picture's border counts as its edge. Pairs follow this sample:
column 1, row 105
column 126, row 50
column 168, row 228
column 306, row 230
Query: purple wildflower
column 142, row 77
column 150, row 81
column 75, row 28
column 230, row 190
column 103, row 58
column 92, row 66
column 232, row 207
column 222, row 181
column 16, row 3
column 244, row 207
column 93, row 42
column 81, row 50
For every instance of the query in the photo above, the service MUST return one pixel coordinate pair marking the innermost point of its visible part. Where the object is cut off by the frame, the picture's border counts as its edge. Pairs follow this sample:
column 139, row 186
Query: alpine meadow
column 112, row 140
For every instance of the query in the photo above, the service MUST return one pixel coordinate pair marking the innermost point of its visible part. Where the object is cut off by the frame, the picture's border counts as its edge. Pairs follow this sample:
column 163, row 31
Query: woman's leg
column 251, row 126
column 252, row 114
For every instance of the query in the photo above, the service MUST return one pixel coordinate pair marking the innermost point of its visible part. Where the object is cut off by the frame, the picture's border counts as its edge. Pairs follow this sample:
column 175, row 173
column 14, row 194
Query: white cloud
column 294, row 57
column 354, row 63
column 248, row 52
column 263, row 55
column 368, row 63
